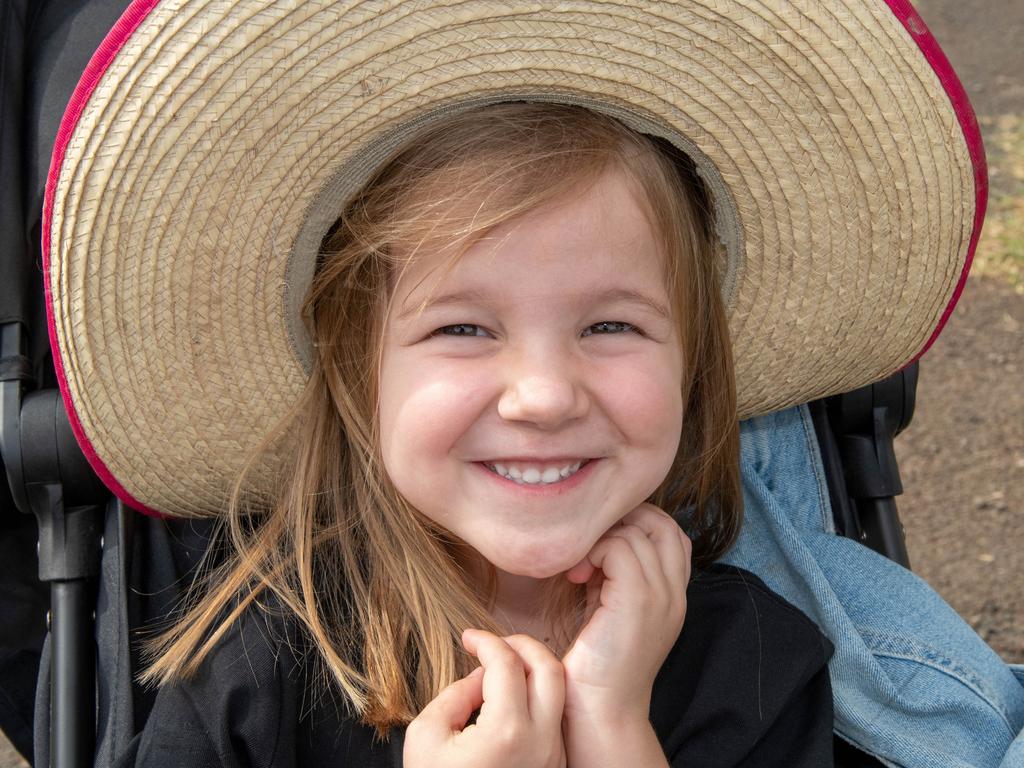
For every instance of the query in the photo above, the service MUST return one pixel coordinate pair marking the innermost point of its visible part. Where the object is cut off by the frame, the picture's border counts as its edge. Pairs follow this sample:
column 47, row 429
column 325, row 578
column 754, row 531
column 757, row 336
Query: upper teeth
column 535, row 475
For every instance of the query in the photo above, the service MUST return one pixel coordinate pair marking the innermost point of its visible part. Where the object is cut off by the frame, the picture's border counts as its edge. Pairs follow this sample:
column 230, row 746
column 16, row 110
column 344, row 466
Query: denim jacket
column 913, row 684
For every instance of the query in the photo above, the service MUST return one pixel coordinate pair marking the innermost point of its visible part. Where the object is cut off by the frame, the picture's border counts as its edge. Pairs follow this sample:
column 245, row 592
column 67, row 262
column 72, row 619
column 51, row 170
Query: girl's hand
column 520, row 691
column 636, row 577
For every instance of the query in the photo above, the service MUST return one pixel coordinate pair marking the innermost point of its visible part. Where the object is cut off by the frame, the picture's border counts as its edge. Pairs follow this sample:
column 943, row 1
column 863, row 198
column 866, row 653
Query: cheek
column 423, row 412
column 648, row 405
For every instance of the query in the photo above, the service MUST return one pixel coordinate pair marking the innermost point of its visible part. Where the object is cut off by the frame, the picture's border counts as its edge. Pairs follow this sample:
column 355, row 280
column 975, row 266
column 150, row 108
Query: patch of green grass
column 1000, row 251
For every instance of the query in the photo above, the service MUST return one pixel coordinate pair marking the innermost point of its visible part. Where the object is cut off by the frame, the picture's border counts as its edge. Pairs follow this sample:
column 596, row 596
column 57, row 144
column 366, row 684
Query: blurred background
column 962, row 459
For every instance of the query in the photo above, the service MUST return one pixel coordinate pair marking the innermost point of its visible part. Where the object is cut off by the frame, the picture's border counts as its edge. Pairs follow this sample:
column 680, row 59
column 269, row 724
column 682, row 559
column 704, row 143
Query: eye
column 609, row 327
column 460, row 329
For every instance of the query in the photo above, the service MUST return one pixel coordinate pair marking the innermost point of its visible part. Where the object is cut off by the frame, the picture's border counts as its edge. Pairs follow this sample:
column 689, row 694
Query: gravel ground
column 962, row 464
column 962, row 458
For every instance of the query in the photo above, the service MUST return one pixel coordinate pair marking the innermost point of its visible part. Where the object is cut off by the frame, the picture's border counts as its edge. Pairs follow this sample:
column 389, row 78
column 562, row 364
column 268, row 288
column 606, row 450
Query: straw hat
column 210, row 145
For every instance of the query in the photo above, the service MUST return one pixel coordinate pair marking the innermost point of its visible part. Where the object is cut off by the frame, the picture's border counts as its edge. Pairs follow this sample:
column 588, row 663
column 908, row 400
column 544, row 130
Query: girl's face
column 537, row 398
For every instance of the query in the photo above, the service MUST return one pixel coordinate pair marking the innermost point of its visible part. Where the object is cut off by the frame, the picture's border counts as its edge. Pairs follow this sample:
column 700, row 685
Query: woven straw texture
column 210, row 135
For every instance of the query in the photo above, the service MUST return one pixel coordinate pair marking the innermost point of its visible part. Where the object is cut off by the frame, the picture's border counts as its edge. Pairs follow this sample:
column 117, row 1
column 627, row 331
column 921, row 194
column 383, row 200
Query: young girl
column 519, row 436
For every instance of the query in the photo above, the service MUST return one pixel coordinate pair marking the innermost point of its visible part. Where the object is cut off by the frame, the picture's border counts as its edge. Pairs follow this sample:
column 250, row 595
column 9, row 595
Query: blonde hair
column 377, row 587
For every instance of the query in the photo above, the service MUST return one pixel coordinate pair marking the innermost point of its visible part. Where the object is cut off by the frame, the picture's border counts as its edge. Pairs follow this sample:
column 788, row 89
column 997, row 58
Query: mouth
column 533, row 474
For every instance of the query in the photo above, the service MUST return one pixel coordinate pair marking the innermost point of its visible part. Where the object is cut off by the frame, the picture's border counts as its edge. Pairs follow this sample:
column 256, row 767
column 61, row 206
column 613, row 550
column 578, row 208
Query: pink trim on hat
column 112, row 43
column 972, row 135
column 138, row 10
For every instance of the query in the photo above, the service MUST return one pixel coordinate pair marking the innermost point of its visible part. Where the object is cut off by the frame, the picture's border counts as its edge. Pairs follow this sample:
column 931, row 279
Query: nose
column 543, row 391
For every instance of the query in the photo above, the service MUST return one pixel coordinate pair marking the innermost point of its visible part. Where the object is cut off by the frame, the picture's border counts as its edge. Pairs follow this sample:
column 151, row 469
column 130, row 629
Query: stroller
column 111, row 571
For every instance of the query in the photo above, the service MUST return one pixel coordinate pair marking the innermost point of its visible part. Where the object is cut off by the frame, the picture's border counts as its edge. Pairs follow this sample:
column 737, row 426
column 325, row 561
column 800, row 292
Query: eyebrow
column 445, row 299
column 636, row 297
column 476, row 297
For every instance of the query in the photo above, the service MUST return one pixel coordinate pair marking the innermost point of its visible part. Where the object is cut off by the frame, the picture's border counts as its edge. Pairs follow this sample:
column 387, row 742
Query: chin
column 532, row 570
column 537, row 562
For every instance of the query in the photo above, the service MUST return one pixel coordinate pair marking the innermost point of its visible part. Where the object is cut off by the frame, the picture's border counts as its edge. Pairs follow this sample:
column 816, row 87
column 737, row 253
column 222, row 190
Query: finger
column 659, row 527
column 581, row 572
column 623, row 574
column 687, row 546
column 593, row 596
column 504, row 679
column 646, row 553
column 674, row 548
column 451, row 709
column 545, row 680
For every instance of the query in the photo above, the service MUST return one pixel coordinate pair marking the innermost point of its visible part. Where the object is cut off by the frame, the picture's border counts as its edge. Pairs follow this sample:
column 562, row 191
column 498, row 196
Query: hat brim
column 204, row 154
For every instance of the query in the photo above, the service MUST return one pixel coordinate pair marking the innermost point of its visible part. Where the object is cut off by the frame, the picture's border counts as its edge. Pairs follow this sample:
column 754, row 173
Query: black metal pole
column 863, row 424
column 73, row 717
column 883, row 531
column 68, row 502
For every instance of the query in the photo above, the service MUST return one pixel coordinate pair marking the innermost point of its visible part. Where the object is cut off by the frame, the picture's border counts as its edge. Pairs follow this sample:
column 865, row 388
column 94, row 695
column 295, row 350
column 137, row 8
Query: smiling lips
column 525, row 473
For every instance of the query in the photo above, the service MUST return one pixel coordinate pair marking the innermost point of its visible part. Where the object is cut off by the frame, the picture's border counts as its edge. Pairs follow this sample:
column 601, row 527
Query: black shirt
column 746, row 684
